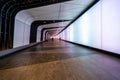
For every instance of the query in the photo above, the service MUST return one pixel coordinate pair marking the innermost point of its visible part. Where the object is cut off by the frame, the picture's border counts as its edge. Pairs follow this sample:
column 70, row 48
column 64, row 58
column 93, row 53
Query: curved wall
column 22, row 29
column 38, row 34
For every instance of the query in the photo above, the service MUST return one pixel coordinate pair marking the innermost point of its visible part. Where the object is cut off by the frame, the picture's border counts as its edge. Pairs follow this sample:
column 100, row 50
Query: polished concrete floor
column 59, row 60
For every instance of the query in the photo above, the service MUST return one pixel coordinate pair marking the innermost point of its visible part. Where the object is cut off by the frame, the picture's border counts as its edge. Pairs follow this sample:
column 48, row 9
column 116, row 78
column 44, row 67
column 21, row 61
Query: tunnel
column 59, row 40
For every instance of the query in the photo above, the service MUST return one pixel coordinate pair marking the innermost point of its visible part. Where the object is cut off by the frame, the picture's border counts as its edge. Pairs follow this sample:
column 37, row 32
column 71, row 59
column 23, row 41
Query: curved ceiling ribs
column 36, row 24
column 48, row 29
column 46, row 35
column 8, row 10
column 49, row 32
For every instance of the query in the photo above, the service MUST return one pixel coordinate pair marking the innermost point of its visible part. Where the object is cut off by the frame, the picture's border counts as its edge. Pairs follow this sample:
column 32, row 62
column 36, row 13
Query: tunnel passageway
column 59, row 60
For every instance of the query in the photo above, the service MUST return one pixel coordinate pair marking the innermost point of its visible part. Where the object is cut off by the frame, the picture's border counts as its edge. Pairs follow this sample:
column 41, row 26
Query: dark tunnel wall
column 8, row 11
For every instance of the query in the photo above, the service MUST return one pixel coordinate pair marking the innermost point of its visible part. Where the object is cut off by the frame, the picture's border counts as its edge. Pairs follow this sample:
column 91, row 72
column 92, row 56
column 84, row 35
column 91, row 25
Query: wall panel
column 22, row 29
column 111, row 25
column 98, row 27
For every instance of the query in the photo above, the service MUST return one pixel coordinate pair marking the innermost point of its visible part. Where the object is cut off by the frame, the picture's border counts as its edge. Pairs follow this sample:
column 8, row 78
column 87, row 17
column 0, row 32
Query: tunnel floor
column 59, row 60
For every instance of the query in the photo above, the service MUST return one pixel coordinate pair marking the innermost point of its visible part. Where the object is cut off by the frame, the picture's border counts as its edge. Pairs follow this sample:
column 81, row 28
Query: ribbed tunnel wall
column 24, row 25
column 8, row 11
column 99, row 27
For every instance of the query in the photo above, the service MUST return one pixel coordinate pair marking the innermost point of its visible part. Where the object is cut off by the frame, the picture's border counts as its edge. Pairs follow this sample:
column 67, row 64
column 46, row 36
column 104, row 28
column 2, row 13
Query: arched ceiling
column 59, row 11
column 57, row 29
column 39, row 10
column 55, row 24
column 8, row 11
column 50, row 33
column 38, row 25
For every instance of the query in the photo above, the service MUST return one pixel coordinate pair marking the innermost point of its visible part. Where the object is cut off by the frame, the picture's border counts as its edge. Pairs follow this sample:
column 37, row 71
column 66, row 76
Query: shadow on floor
column 30, row 58
column 46, row 48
